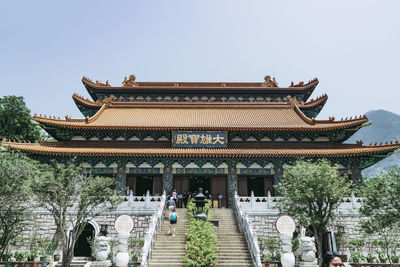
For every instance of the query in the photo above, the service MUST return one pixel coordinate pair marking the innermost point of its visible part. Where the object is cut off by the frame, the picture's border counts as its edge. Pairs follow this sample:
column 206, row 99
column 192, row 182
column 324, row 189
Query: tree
column 16, row 173
column 15, row 120
column 311, row 192
column 73, row 198
column 381, row 207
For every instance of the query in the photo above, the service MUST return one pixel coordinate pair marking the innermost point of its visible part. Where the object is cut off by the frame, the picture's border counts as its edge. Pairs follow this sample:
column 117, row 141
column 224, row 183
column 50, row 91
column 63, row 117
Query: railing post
column 252, row 199
column 269, row 201
column 353, row 200
column 147, row 199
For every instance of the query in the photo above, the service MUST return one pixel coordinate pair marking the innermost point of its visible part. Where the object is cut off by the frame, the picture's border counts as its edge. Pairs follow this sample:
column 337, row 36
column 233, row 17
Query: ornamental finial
column 269, row 82
column 129, row 82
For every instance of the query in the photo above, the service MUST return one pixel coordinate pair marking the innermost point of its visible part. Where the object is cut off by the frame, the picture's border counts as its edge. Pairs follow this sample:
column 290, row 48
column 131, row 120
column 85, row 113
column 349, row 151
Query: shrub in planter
column 381, row 256
column 7, row 257
column 266, row 258
column 370, row 258
column 135, row 248
column 201, row 245
column 394, row 258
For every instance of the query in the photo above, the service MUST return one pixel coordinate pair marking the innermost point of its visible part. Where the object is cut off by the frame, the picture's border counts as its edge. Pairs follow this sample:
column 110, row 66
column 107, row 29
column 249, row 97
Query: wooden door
column 131, row 183
column 242, row 186
column 269, row 185
column 218, row 187
column 181, row 184
column 157, row 185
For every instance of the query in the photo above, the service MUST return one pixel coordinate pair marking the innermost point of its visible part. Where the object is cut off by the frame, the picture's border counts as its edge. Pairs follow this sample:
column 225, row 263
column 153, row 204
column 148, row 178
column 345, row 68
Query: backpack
column 172, row 217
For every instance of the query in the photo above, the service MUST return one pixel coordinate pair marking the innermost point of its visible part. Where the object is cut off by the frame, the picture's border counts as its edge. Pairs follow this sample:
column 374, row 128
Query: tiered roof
column 289, row 115
column 89, row 108
column 130, row 86
column 285, row 116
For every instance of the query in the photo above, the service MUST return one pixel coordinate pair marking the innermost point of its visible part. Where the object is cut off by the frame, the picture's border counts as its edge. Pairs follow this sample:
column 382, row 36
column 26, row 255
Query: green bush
column 201, row 245
column 201, row 240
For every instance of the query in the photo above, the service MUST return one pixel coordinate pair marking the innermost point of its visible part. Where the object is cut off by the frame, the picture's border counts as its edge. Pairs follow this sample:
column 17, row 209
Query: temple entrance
column 191, row 184
column 219, row 189
column 140, row 184
column 197, row 182
column 82, row 246
column 216, row 186
column 260, row 185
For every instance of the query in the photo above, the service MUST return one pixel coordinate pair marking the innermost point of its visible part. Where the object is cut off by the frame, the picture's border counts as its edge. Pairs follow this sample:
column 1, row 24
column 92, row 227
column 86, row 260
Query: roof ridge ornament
column 270, row 83
column 129, row 82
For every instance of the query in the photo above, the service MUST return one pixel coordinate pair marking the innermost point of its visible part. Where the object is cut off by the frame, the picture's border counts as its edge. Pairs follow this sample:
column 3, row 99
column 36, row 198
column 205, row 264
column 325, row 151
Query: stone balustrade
column 268, row 205
column 245, row 227
column 151, row 233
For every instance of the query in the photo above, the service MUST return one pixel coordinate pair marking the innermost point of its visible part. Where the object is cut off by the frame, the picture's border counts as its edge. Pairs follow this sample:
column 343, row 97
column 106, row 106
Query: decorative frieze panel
column 199, row 171
column 255, row 171
column 192, row 97
column 144, row 171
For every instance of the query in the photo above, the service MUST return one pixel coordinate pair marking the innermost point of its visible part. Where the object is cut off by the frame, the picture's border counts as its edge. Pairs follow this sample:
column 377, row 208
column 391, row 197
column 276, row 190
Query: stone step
column 233, row 264
column 166, row 261
column 168, row 252
column 166, row 264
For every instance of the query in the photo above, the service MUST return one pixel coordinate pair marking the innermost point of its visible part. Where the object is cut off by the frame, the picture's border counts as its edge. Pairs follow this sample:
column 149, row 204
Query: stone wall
column 42, row 226
column 349, row 225
column 264, row 225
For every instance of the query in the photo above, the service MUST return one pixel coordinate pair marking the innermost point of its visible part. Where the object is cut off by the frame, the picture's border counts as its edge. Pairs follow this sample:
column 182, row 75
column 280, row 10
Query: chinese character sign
column 199, row 139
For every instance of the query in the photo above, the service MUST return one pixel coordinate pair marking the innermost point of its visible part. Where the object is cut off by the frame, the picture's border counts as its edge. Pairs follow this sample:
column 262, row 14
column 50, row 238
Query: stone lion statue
column 102, row 248
column 307, row 248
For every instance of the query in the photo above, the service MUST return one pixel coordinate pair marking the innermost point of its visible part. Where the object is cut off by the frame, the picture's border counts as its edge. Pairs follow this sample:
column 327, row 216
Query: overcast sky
column 352, row 47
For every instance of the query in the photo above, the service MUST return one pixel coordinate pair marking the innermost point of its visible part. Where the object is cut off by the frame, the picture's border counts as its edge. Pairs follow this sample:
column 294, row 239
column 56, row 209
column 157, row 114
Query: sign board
column 199, row 139
column 124, row 223
column 285, row 224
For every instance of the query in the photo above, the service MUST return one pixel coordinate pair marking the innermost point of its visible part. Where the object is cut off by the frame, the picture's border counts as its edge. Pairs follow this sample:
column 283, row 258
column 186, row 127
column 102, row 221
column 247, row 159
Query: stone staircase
column 232, row 246
column 169, row 250
column 76, row 262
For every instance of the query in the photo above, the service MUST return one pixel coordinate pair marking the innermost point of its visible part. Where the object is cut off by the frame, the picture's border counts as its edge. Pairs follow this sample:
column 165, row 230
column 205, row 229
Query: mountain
column 385, row 127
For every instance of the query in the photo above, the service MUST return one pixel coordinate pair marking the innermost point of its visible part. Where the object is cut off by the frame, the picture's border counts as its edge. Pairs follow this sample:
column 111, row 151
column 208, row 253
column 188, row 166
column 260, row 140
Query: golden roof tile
column 204, row 116
column 126, row 150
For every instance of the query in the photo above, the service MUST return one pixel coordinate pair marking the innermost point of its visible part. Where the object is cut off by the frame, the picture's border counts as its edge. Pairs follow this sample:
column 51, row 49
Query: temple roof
column 283, row 116
column 132, row 86
column 129, row 149
column 199, row 86
column 88, row 107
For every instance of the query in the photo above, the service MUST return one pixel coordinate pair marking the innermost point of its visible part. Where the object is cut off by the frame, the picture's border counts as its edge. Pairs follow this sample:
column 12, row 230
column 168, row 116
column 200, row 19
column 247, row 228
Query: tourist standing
column 173, row 220
column 174, row 196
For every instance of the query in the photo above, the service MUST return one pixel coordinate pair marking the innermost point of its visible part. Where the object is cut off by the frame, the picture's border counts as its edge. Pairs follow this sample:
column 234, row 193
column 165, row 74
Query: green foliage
column 201, row 245
column 311, row 192
column 268, row 248
column 135, row 248
column 66, row 189
column 356, row 250
column 381, row 211
column 191, row 209
column 381, row 205
column 21, row 255
column 16, row 174
column 15, row 120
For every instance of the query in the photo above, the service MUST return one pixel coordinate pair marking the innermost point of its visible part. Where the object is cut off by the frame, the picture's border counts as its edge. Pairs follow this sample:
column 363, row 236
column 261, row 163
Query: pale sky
column 352, row 47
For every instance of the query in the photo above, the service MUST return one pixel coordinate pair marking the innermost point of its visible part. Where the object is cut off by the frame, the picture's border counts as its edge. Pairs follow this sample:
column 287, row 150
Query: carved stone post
column 278, row 174
column 120, row 184
column 356, row 175
column 167, row 179
column 232, row 183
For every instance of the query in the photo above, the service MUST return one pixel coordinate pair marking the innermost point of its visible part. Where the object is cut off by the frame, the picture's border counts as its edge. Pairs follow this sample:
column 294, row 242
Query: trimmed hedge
column 201, row 244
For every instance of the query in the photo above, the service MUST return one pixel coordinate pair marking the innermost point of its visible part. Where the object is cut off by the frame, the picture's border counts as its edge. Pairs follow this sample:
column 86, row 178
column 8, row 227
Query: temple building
column 221, row 136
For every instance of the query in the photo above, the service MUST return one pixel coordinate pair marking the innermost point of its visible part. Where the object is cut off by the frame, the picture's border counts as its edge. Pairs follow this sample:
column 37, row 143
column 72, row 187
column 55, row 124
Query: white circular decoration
column 124, row 223
column 285, row 224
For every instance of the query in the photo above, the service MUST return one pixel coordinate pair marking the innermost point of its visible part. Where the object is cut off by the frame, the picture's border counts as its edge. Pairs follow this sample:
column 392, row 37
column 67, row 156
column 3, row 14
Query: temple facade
column 221, row 136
